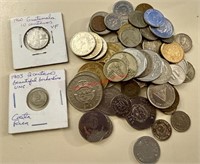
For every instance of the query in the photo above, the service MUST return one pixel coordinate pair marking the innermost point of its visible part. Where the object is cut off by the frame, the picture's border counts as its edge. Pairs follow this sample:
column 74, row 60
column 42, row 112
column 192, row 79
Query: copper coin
column 121, row 104
column 161, row 130
column 130, row 88
column 142, row 114
column 97, row 23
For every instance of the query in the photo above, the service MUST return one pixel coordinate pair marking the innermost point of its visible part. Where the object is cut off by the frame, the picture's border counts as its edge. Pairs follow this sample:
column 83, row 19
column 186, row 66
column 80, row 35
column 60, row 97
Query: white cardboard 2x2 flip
column 53, row 116
column 54, row 52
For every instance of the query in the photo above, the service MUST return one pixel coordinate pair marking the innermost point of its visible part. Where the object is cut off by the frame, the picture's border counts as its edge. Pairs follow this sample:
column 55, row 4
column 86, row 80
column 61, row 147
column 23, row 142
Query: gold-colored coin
column 172, row 52
column 96, row 68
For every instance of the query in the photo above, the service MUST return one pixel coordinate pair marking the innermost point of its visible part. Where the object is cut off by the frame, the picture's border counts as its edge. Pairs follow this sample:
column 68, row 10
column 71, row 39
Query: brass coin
column 37, row 99
column 172, row 52
column 143, row 7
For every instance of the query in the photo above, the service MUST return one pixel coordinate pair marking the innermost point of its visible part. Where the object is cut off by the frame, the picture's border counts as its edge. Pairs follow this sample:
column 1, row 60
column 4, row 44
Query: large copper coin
column 142, row 114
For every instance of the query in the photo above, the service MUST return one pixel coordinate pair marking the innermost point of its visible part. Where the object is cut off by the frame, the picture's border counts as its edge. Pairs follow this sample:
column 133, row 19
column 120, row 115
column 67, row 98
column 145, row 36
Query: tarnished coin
column 166, row 74
column 161, row 130
column 142, row 114
column 112, row 21
column 147, row 34
column 152, row 45
column 36, row 38
column 84, row 92
column 166, row 29
column 82, row 43
column 94, row 126
column 143, row 7
column 154, row 17
column 130, row 62
column 184, row 40
column 178, row 75
column 111, row 37
column 146, row 150
column 97, row 49
column 172, row 52
column 115, row 70
column 180, row 121
column 184, row 64
column 105, row 104
column 37, row 99
column 110, row 128
column 161, row 96
column 97, row 23
column 130, row 88
column 97, row 69
column 190, row 73
column 121, row 104
column 136, row 18
column 140, row 58
column 168, row 40
column 122, row 8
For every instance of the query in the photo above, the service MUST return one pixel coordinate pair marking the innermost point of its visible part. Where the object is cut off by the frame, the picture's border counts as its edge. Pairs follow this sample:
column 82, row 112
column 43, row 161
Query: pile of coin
column 130, row 50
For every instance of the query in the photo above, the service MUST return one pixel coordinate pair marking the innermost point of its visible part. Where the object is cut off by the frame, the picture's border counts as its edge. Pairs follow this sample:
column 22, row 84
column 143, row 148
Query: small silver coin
column 161, row 96
column 152, row 45
column 37, row 99
column 190, row 73
column 112, row 21
column 178, row 75
column 36, row 38
column 180, row 121
column 146, row 150
column 122, row 8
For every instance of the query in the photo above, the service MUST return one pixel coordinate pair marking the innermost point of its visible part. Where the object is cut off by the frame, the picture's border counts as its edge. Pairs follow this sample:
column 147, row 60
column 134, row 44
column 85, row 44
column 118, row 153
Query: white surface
column 66, row 145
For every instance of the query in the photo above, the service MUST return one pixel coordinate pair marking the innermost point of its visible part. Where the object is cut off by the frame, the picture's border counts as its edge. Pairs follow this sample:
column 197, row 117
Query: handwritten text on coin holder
column 21, row 117
column 54, row 50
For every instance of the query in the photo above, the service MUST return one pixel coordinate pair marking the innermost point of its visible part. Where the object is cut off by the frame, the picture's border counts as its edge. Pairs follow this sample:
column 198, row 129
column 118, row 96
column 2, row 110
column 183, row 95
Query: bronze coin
column 161, row 130
column 142, row 114
column 130, row 88
column 97, row 23
column 121, row 104
column 143, row 7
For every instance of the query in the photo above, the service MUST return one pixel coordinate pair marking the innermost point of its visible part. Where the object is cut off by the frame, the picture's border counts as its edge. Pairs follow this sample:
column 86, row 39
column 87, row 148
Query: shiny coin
column 97, row 23
column 97, row 69
column 84, row 92
column 147, row 34
column 140, row 58
column 136, row 18
column 178, row 75
column 154, row 17
column 143, row 7
column 130, row 88
column 94, row 126
column 112, row 21
column 166, row 29
column 166, row 74
column 130, row 62
column 121, row 104
column 190, row 73
column 180, row 121
column 103, row 50
column 184, row 40
column 161, row 130
column 115, row 70
column 146, row 150
column 97, row 49
column 152, row 45
column 36, row 38
column 37, row 99
column 122, row 8
column 142, row 114
column 105, row 104
column 161, row 96
column 172, row 52
column 82, row 43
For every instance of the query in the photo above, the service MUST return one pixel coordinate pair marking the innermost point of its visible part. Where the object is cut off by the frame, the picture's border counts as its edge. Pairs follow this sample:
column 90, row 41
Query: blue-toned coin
column 166, row 30
column 154, row 17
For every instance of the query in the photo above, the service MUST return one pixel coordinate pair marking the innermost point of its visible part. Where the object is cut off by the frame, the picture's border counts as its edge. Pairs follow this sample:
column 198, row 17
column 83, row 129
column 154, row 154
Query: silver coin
column 146, row 150
column 147, row 34
column 157, row 67
column 166, row 74
column 130, row 62
column 140, row 58
column 84, row 92
column 112, row 21
column 184, row 40
column 36, row 38
column 183, row 63
column 152, row 45
column 190, row 73
column 161, row 96
column 115, row 70
column 122, row 8
column 37, row 99
column 178, row 75
column 103, row 51
column 136, row 18
column 82, row 43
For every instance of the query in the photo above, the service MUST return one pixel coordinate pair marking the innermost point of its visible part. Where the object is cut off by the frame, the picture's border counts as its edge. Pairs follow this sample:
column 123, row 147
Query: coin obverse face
column 37, row 99
column 36, row 38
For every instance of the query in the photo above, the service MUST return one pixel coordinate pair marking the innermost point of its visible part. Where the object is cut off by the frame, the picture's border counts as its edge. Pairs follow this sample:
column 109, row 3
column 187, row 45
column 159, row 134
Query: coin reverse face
column 37, row 99
column 36, row 38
